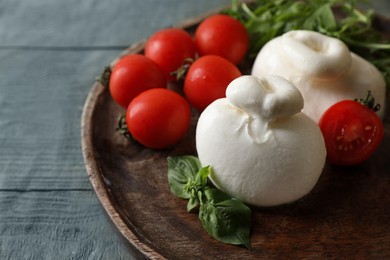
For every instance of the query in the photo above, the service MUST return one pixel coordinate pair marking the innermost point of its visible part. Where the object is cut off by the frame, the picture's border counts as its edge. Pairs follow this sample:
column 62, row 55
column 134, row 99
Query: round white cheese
column 261, row 148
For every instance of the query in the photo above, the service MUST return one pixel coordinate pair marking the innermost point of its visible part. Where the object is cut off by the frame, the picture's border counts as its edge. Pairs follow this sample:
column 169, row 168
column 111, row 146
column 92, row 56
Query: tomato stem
column 104, row 78
column 181, row 72
column 369, row 102
column 122, row 127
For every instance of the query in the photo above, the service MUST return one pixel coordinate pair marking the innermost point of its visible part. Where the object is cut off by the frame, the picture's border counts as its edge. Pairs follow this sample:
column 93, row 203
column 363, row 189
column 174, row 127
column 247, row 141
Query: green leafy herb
column 121, row 127
column 225, row 218
column 104, row 78
column 182, row 170
column 266, row 19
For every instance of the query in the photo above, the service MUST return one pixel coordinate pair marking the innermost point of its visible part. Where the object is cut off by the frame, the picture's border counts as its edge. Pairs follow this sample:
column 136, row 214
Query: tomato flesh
column 352, row 132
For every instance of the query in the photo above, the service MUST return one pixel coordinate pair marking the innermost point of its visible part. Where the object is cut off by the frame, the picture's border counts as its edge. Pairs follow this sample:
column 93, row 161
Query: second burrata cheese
column 322, row 68
column 261, row 148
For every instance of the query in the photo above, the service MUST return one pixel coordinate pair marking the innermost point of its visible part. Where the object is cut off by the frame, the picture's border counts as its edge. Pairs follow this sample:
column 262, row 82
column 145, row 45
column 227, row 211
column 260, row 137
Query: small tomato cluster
column 158, row 117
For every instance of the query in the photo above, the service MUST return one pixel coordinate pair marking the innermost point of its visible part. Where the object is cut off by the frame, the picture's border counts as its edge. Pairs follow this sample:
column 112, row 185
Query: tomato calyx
column 104, row 77
column 181, row 72
column 122, row 129
column 369, row 101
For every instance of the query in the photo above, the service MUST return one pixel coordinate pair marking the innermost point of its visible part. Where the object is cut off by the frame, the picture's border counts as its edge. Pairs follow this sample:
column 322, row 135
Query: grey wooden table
column 50, row 53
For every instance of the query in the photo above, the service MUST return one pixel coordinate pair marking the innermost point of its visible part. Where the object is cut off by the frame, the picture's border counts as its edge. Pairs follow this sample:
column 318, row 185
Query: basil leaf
column 202, row 176
column 197, row 187
column 182, row 170
column 225, row 218
column 193, row 202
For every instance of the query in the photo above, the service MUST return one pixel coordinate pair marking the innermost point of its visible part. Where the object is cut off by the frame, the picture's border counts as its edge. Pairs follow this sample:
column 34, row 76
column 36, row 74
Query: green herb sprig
column 225, row 218
column 348, row 20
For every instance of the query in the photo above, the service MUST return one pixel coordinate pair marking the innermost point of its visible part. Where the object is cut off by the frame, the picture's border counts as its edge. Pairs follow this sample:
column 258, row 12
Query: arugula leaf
column 182, row 170
column 321, row 18
column 224, row 218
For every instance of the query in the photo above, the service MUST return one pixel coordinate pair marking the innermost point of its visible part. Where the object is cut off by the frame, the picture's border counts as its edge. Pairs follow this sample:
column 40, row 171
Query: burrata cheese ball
column 261, row 148
column 323, row 69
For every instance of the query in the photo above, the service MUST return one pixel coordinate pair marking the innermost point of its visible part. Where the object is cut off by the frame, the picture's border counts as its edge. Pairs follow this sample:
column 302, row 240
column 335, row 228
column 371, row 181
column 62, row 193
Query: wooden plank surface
column 50, row 53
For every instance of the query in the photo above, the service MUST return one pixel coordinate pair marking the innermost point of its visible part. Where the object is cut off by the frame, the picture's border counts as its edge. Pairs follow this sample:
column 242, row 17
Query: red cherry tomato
column 207, row 80
column 169, row 48
column 224, row 36
column 158, row 118
column 352, row 132
column 132, row 75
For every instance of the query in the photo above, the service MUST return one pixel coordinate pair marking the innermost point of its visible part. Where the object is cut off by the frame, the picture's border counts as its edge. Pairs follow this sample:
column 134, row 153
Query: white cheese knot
column 261, row 148
column 271, row 97
column 322, row 68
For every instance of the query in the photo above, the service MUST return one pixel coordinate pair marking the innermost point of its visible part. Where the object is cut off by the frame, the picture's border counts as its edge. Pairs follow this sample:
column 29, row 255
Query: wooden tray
column 347, row 215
